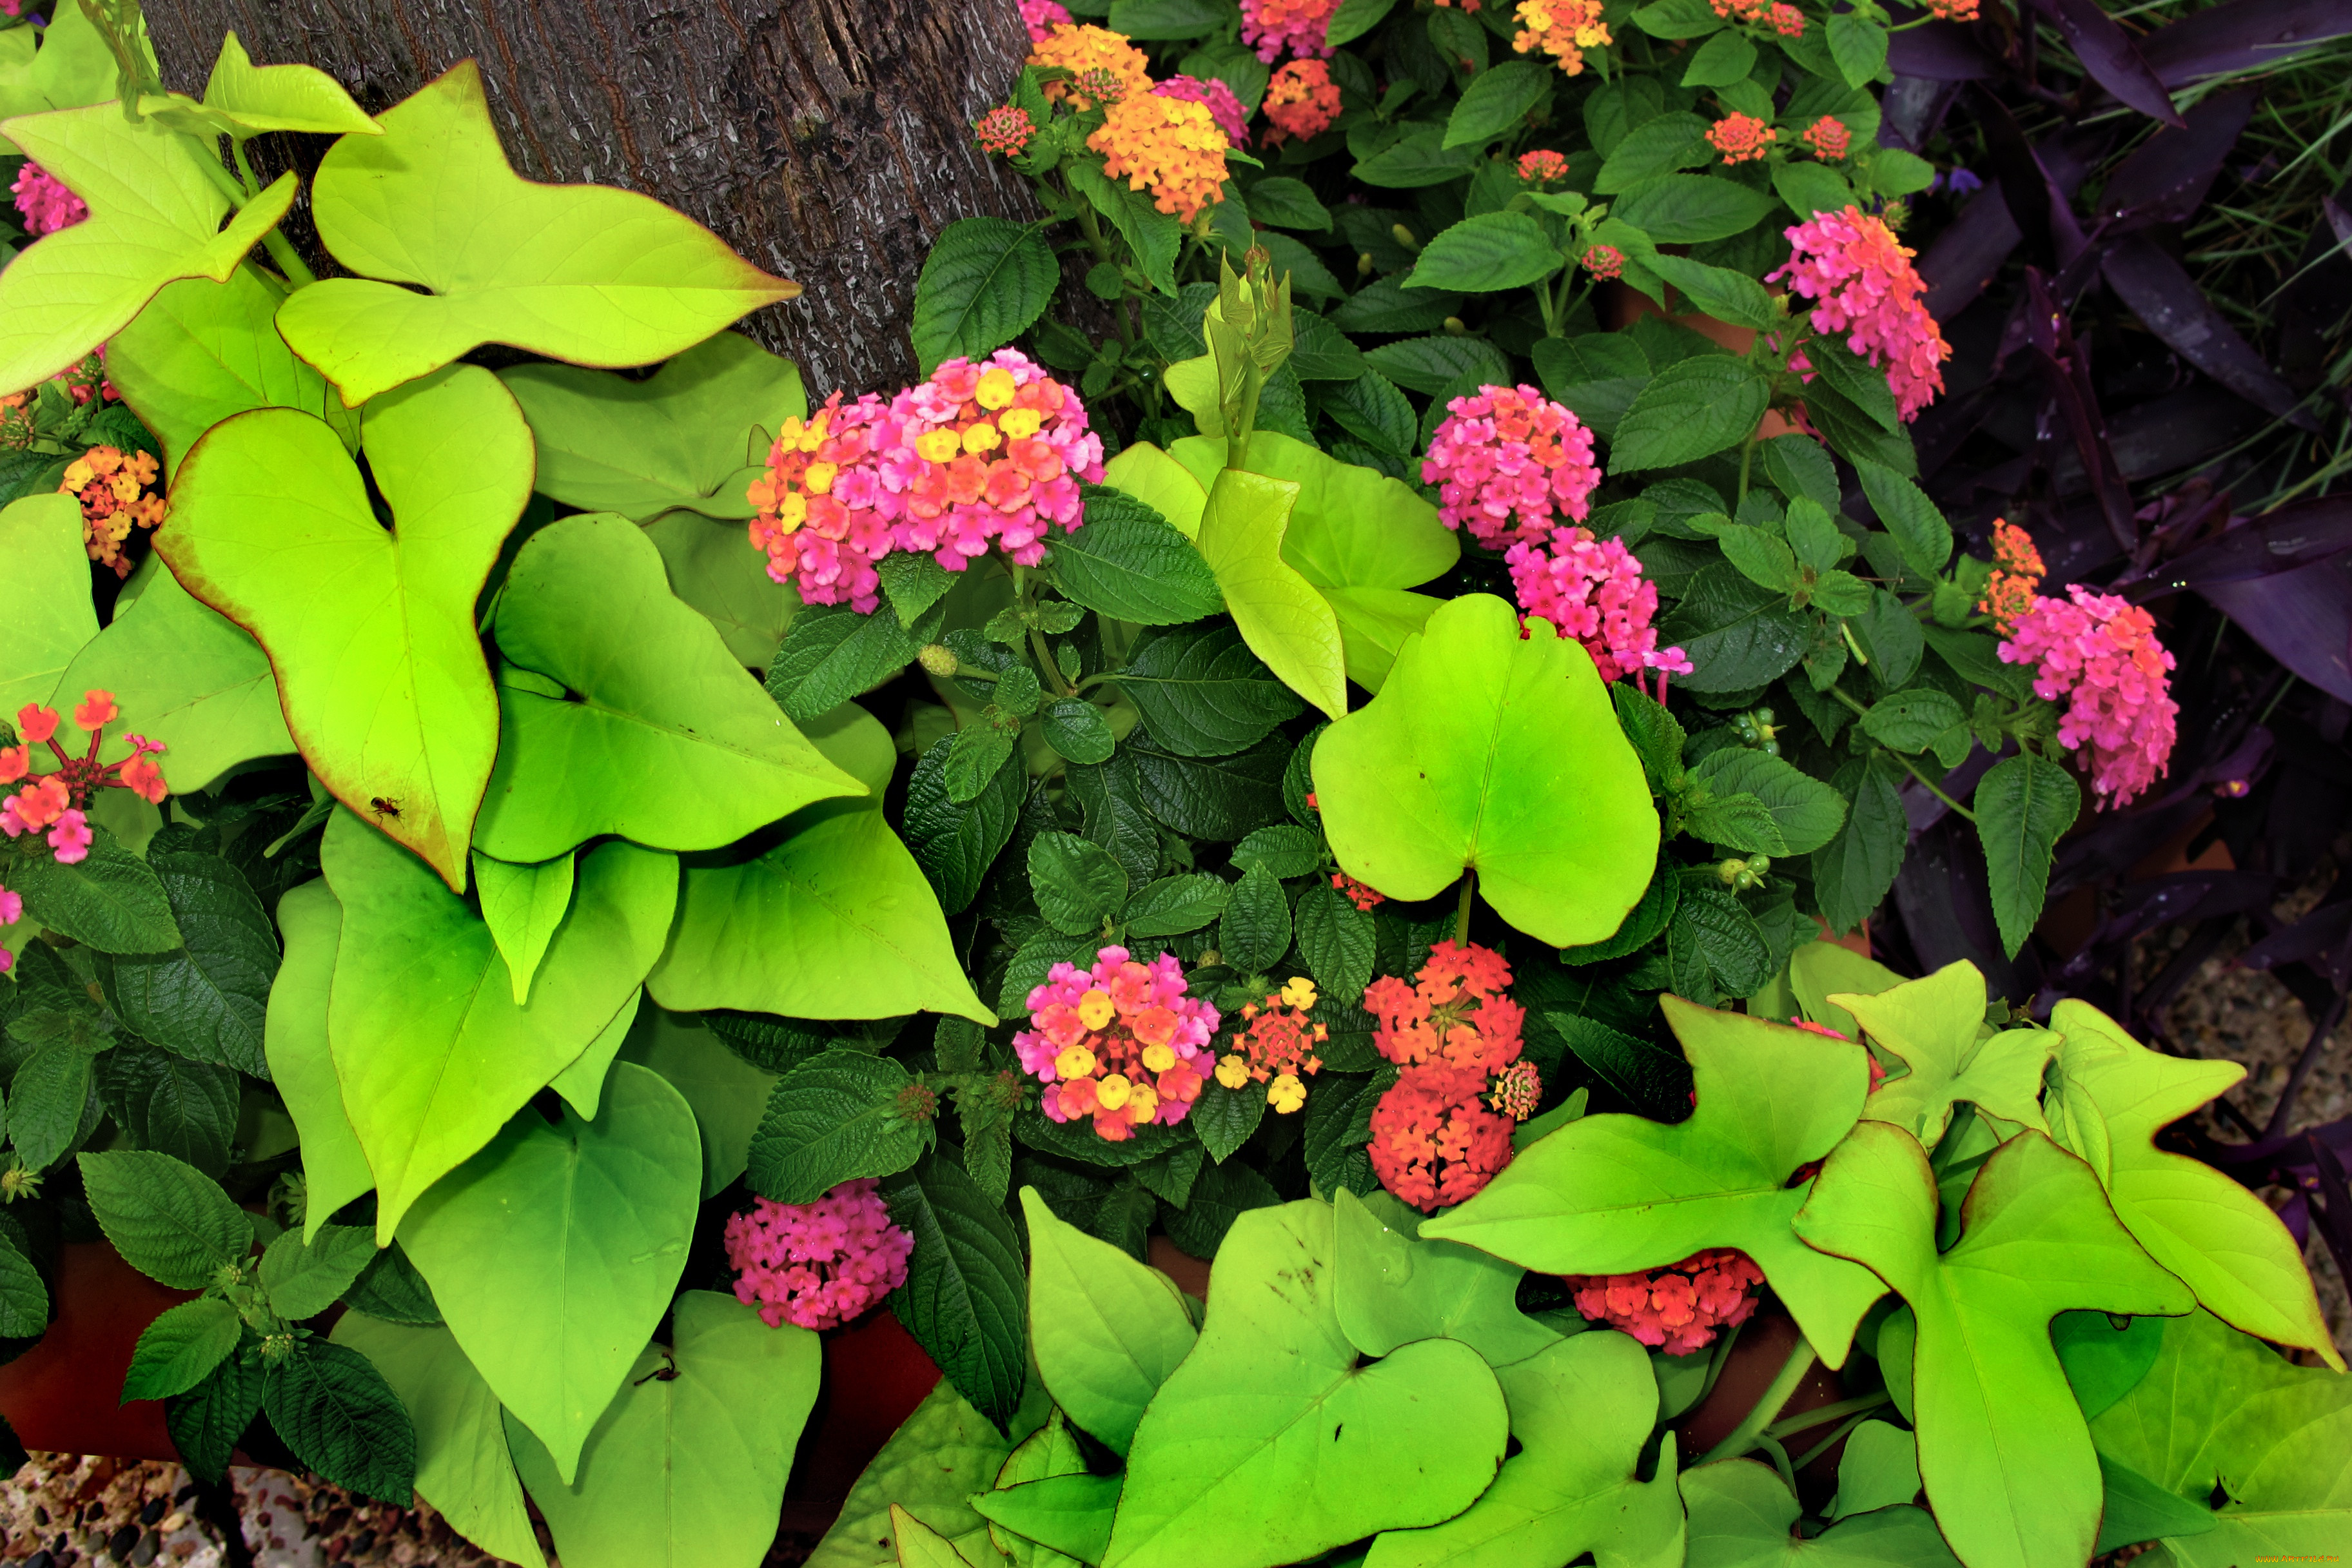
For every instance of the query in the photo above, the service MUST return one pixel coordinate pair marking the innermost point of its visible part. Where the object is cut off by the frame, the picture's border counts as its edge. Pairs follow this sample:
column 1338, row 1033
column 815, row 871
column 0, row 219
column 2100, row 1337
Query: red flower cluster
column 1301, row 102
column 1364, row 895
column 1005, row 131
column 1541, row 167
column 1604, row 262
column 1436, row 1142
column 1678, row 1308
column 59, row 802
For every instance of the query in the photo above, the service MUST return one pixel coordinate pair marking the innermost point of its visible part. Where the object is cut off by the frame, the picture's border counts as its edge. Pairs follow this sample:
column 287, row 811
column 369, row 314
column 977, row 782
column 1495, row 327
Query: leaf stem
column 1860, row 1404
column 1462, row 910
column 1746, row 455
column 1932, row 787
column 1744, row 1435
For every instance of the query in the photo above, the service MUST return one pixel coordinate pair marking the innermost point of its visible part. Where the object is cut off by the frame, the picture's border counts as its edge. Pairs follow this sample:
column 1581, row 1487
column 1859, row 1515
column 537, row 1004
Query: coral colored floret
column 1563, row 29
column 1433, row 1143
column 1505, row 460
column 1456, row 1014
column 1279, row 27
column 1741, row 138
column 46, row 204
column 1863, row 285
column 2101, row 654
column 1676, row 1309
column 1541, row 167
column 1172, row 146
column 1518, row 1089
column 1953, row 10
column 1279, row 1045
column 1364, row 895
column 116, row 489
column 1079, row 49
column 1302, row 100
column 1604, row 262
column 1120, row 1043
column 1828, row 138
column 1005, row 131
column 1216, row 97
column 1593, row 592
column 2017, row 574
column 820, row 1264
column 57, row 802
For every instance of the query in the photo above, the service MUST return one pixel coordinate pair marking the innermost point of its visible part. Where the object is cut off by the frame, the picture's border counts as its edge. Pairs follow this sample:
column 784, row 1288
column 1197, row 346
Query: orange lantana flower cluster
column 116, row 489
column 1741, row 138
column 1279, row 1047
column 1080, row 50
column 1171, row 145
column 1302, row 100
column 1444, row 1129
column 1563, row 29
column 2017, row 574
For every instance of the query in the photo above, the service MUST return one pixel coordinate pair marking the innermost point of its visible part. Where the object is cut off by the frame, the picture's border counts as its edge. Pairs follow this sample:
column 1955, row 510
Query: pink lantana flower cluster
column 1863, row 285
column 2101, row 654
column 1593, row 591
column 1215, row 95
column 46, row 204
column 1040, row 16
column 12, row 909
column 1279, row 27
column 57, row 803
column 1676, row 1309
column 817, row 1264
column 1119, row 1043
column 1505, row 460
column 984, row 453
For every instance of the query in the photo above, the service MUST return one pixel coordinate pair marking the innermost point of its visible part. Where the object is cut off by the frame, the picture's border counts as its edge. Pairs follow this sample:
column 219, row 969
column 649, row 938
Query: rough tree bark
column 828, row 140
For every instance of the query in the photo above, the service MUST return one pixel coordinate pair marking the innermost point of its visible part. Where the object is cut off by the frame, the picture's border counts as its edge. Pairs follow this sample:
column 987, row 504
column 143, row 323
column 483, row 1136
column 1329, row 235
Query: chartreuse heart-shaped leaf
column 2113, row 1096
column 187, row 676
column 201, row 351
column 685, row 1471
column 2003, row 1451
column 462, row 1468
column 1284, row 621
column 1359, row 536
column 1500, row 754
column 431, row 1051
column 552, row 1253
column 1820, row 970
column 1936, row 1027
column 1743, row 1516
column 294, row 1037
column 1107, row 1330
column 584, row 273
column 657, row 734
column 44, row 597
column 1582, row 1410
column 1392, row 1290
column 523, row 905
column 930, row 1467
column 1163, row 484
column 71, row 68
column 154, row 217
column 370, row 628
column 836, row 921
column 1613, row 1193
column 2222, row 1415
column 1272, row 1444
column 680, row 439
column 921, row 1546
column 1052, row 1451
column 254, row 98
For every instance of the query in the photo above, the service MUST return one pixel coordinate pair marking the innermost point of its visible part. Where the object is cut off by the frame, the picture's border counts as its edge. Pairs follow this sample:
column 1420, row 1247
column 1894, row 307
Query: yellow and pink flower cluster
column 1119, row 1044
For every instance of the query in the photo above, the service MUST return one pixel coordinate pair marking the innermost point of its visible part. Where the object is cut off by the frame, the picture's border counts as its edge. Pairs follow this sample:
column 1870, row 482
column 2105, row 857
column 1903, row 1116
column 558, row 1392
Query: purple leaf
column 2107, row 53
column 2317, row 935
column 2294, row 536
column 2165, row 178
column 1965, row 256
column 1941, row 51
column 2302, row 619
column 2246, row 36
column 2169, row 304
column 2070, row 385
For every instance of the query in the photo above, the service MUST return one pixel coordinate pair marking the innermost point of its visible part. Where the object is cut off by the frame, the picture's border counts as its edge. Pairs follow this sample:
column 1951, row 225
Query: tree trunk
column 828, row 140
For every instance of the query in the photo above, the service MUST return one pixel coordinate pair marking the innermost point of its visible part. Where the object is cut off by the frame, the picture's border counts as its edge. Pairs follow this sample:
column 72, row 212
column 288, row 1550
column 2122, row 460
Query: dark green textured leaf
column 1432, row 364
column 985, row 280
column 1736, row 634
column 306, row 1279
column 24, row 1300
column 1173, row 905
column 977, row 755
column 1854, row 871
column 207, row 1422
column 1167, row 18
column 48, row 1097
column 831, row 1121
column 1642, row 925
column 1690, row 209
column 169, row 1220
column 1222, row 1195
column 1335, row 938
column 392, row 1288
column 1371, row 408
column 1203, row 693
column 1598, row 375
column 180, row 1348
column 1910, row 721
column 204, row 1000
column 1656, row 735
column 1386, row 305
column 1286, row 850
column 1255, row 931
column 1718, row 291
column 1417, row 159
column 1338, row 1126
column 1919, row 529
column 1859, row 47
column 1129, row 563
column 1496, row 100
column 1354, row 18
column 1722, row 61
column 2022, row 807
column 1853, row 435
column 830, row 654
column 1154, row 237
column 1287, row 203
column 1725, row 935
column 1806, row 811
column 1219, row 798
column 341, row 1418
column 1797, row 467
column 1655, row 1080
column 1659, row 146
column 1700, row 406
column 171, row 1105
column 1224, row 1118
column 955, row 844
column 1892, row 636
column 966, row 1297
column 1487, row 253
column 1111, row 797
column 1076, row 729
column 1076, row 883
column 109, row 899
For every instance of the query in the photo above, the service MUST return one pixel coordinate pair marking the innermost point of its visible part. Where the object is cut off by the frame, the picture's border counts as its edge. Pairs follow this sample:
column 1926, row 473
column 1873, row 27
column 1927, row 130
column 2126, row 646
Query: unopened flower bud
column 938, row 659
column 1364, row 265
column 1403, row 237
column 1456, row 327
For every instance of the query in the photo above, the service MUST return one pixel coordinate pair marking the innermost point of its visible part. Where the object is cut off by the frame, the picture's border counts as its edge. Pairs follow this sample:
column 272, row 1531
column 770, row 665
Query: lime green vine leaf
column 1614, row 1193
column 685, row 1471
column 255, row 98
column 1582, row 1410
column 44, row 597
column 681, row 439
column 836, row 921
column 1391, row 1288
column 187, row 676
column 921, row 1546
column 582, row 1082
column 431, row 1051
column 1284, row 621
column 2113, row 1096
column 1050, row 1451
column 1817, row 970
column 2221, row 1410
column 1070, row 1516
column 523, row 905
column 649, row 693
column 370, row 629
column 552, row 1253
column 713, row 567
column 462, row 1468
column 2004, row 1450
column 154, row 217
column 1161, row 483
column 729, row 1094
column 1743, row 1516
column 1107, row 1330
column 201, row 351
column 586, row 274
column 1271, row 1444
column 294, row 1038
column 1933, row 1026
column 937, row 1458
column 71, row 69
column 1879, row 1468
column 1503, row 755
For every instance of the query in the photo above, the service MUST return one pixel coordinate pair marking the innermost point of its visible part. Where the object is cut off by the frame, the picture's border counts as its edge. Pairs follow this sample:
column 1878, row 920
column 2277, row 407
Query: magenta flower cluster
column 2101, row 654
column 1041, row 17
column 1223, row 107
column 1279, row 27
column 46, row 204
column 1863, row 283
column 1593, row 591
column 818, row 1264
column 1505, row 460
column 1119, row 1042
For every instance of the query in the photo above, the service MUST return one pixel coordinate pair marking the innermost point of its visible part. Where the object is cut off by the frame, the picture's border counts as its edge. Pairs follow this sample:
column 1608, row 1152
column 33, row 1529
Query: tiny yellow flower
column 938, row 446
column 1299, row 992
column 819, row 478
column 1020, row 423
column 1143, row 1105
column 1285, row 1093
column 981, row 437
column 79, row 473
column 1159, row 1058
column 1113, row 1091
column 1233, row 1071
column 1096, row 1009
column 996, row 388
column 1075, row 1062
column 791, row 511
